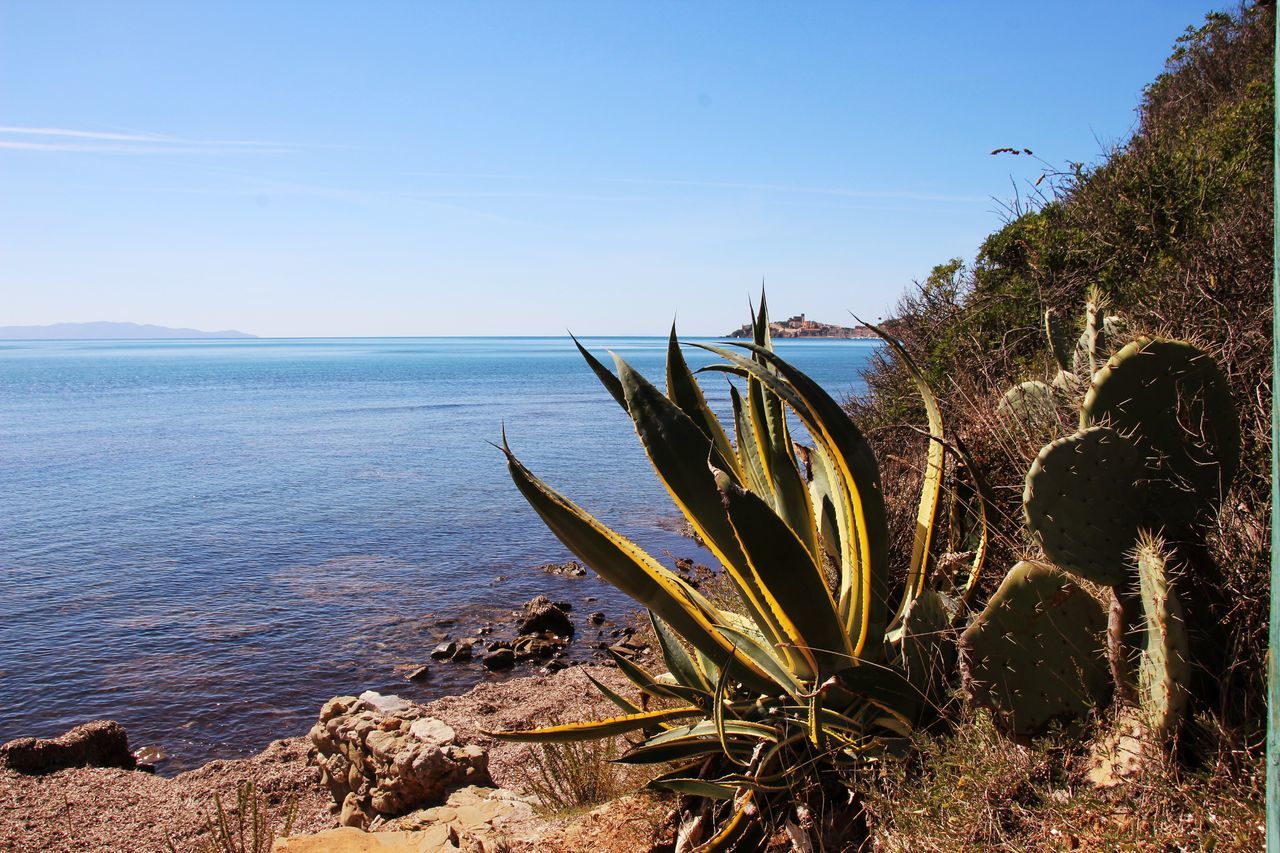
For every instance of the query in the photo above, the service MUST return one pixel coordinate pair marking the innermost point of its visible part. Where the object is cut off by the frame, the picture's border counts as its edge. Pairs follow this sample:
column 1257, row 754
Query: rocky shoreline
column 87, row 791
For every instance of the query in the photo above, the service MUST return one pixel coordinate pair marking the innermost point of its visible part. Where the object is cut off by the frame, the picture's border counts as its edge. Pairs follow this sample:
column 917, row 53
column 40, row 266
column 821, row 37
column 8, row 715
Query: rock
column 499, row 659
column 473, row 818
column 149, row 755
column 381, row 756
column 596, row 618
column 571, row 569
column 463, row 652
column 563, row 605
column 529, row 648
column 540, row 615
column 102, row 743
column 628, row 649
column 444, row 651
column 422, row 673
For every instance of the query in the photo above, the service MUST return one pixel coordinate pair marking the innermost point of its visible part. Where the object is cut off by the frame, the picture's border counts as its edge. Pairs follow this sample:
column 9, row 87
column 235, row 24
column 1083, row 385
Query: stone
column 596, row 618
column 444, row 651
column 422, row 673
column 499, row 659
column 464, row 651
column 540, row 615
column 381, row 756
column 571, row 569
column 101, row 743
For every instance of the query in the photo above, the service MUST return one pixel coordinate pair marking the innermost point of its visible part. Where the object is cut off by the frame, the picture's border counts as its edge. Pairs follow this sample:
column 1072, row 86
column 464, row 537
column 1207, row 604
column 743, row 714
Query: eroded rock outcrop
column 102, row 743
column 383, row 756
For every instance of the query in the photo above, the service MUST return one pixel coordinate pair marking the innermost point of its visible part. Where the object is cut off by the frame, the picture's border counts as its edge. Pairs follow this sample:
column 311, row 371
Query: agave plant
column 823, row 665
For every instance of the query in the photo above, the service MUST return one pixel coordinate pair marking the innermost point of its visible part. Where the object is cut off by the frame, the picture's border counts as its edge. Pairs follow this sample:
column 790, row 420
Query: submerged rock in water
column 571, row 569
column 444, row 651
column 499, row 659
column 102, row 743
column 381, row 755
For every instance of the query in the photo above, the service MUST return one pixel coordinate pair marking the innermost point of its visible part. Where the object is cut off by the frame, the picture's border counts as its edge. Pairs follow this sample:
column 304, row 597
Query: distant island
column 101, row 331
column 799, row 327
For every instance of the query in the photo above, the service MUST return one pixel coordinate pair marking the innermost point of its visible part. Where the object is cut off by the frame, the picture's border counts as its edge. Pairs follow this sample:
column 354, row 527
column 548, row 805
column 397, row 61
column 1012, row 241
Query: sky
column 509, row 168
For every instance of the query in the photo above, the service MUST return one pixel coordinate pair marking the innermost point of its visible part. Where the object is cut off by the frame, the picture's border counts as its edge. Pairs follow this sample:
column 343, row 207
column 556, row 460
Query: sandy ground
column 96, row 809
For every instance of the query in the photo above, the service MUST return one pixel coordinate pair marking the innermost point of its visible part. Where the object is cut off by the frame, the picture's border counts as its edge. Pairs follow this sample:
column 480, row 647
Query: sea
column 206, row 539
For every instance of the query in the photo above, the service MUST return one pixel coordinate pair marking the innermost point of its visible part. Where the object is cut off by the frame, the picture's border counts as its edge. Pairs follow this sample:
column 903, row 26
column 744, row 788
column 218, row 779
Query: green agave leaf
column 986, row 508
column 679, row 664
column 748, row 450
column 695, row 788
column 784, row 679
column 684, row 391
column 616, row 698
column 864, row 561
column 676, row 751
column 626, row 566
column 679, row 452
column 592, row 729
column 709, row 729
column 602, row 373
column 648, row 684
column 793, row 585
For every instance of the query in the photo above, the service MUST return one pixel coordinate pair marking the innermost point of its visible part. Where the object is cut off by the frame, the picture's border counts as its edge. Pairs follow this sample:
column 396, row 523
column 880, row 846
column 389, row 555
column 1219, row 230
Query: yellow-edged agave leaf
column 681, row 750
column 592, row 729
column 748, row 450
column 737, row 823
column 718, row 703
column 931, row 486
column 679, row 451
column 626, row 566
column 679, row 664
column 695, row 787
column 614, row 697
column 685, row 393
column 884, row 687
column 864, row 562
column 647, row 683
column 750, row 646
column 708, row 729
column 793, row 584
column 607, row 379
column 986, row 503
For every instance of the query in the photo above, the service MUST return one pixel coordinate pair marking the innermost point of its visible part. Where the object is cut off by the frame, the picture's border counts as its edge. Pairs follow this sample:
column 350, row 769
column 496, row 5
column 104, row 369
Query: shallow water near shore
column 206, row 539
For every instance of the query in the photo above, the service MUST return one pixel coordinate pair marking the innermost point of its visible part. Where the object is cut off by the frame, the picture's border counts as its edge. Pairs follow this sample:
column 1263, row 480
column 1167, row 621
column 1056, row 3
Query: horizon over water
column 205, row 539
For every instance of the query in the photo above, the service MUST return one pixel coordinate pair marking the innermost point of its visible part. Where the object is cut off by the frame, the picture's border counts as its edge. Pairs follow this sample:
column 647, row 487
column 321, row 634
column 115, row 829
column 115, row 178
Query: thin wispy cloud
column 74, row 140
column 782, row 189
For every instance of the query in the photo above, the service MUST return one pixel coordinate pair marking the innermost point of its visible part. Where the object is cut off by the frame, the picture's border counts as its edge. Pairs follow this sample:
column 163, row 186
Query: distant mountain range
column 108, row 331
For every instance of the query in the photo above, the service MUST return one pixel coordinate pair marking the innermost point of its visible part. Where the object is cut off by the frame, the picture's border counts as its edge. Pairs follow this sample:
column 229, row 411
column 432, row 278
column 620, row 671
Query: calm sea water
column 206, row 539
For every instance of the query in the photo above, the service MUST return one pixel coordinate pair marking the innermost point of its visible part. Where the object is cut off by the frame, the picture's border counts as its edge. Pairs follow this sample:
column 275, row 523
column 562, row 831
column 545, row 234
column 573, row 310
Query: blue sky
column 415, row 168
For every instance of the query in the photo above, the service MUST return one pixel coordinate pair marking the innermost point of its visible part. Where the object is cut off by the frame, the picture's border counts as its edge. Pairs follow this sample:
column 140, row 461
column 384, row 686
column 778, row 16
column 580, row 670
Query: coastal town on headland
column 800, row 327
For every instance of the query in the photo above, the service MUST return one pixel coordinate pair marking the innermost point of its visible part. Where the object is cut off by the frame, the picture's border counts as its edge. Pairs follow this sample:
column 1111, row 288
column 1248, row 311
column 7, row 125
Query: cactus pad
column 1029, row 409
column 1163, row 670
column 1085, row 502
column 1035, row 654
column 1059, row 335
column 928, row 643
column 1172, row 401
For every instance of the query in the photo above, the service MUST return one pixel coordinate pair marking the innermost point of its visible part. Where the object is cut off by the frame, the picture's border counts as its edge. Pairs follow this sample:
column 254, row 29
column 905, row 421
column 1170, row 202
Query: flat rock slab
column 348, row 839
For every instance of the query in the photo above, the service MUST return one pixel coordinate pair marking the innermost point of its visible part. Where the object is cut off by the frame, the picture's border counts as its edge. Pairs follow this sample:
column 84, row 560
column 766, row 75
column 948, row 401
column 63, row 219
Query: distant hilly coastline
column 103, row 331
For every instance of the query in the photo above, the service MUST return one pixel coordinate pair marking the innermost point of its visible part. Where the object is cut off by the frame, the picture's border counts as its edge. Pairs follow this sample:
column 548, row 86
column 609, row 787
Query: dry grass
column 975, row 789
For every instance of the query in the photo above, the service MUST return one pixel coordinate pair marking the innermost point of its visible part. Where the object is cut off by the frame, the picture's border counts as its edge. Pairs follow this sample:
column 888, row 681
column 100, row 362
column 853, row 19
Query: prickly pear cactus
column 1034, row 655
column 1029, row 404
column 1059, row 335
column 928, row 643
column 1164, row 669
column 1085, row 503
column 1172, row 401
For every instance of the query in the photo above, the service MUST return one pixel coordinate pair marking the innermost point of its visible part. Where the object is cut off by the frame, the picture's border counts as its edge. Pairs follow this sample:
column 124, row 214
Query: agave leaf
column 864, row 559
column 592, row 729
column 749, row 646
column 626, row 566
column 794, row 586
column 710, row 673
column 679, row 664
column 717, row 716
column 986, row 506
column 930, row 488
column 695, row 787
column 679, row 452
column 683, row 390
column 614, row 697
column 647, row 683
column 709, row 729
column 681, row 750
column 748, row 450
column 606, row 377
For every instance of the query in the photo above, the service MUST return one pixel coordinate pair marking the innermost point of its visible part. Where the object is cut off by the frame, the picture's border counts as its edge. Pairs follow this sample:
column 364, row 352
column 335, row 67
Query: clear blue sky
column 405, row 168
